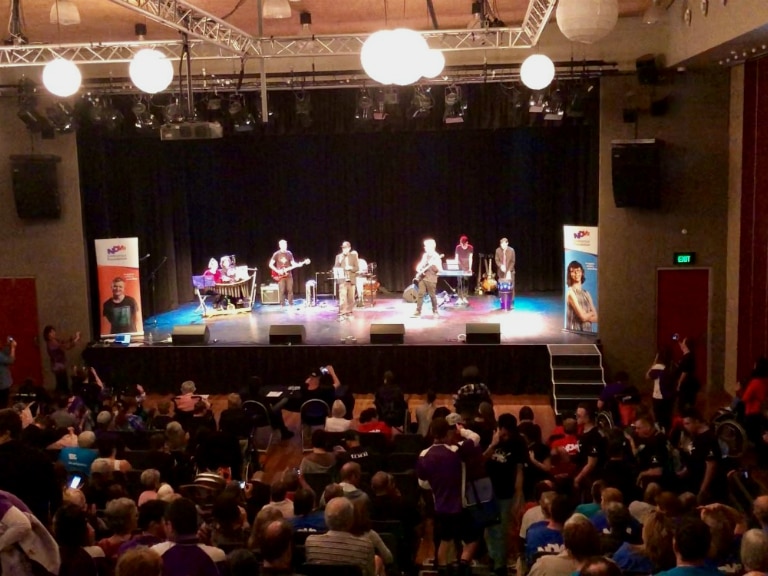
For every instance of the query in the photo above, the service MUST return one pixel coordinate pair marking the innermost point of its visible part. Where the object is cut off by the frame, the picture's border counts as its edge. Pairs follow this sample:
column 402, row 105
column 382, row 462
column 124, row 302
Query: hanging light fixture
column 587, row 21
column 65, row 13
column 62, row 78
column 399, row 56
column 275, row 9
column 433, row 63
column 537, row 71
column 151, row 71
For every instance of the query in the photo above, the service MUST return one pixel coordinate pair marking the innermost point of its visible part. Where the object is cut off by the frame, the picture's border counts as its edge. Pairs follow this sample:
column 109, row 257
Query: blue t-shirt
column 542, row 540
column 78, row 460
column 313, row 523
column 600, row 522
column 630, row 560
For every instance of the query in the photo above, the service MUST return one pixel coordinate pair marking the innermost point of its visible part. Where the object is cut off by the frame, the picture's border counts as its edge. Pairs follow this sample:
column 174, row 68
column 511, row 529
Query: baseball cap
column 453, row 419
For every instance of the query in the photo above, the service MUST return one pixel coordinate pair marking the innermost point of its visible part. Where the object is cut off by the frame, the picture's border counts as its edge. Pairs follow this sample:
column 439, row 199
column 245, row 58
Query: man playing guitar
column 426, row 276
column 281, row 264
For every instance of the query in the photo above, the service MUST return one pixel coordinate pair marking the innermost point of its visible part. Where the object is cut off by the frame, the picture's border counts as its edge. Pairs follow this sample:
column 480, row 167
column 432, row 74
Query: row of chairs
column 406, row 483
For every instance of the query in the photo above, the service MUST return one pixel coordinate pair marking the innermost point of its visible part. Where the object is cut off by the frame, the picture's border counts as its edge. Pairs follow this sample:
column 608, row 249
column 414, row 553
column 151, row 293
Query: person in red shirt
column 754, row 398
column 564, row 449
column 369, row 422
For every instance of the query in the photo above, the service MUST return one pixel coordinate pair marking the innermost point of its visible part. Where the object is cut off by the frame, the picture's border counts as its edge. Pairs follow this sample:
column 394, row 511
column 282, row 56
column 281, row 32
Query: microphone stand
column 151, row 278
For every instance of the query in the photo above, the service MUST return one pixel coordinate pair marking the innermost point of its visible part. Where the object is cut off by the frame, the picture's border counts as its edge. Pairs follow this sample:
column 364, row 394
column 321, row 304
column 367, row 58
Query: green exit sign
column 684, row 258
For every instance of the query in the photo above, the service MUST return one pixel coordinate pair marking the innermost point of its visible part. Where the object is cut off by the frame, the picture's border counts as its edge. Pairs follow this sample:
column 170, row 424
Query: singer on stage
column 426, row 276
column 345, row 273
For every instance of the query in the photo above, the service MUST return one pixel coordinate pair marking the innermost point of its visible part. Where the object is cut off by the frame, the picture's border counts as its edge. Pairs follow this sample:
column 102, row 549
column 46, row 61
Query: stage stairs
column 577, row 375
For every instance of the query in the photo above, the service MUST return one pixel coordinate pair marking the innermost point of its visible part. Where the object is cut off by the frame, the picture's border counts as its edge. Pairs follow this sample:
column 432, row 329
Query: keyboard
column 455, row 273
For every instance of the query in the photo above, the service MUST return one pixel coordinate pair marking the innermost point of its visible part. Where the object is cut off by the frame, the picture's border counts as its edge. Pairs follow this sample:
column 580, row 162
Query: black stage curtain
column 384, row 191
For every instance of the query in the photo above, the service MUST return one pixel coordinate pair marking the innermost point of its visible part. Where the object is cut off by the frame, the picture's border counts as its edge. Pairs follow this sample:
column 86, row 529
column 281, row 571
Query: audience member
column 264, row 517
column 591, row 508
column 182, row 553
column 580, row 542
column 424, row 413
column 354, row 451
column 691, row 542
column 471, row 393
column 279, row 500
column 142, row 562
column 701, row 473
column 390, row 402
column 641, row 508
column 547, row 537
column 337, row 422
column 78, row 460
column 338, row 545
column 150, row 481
column 233, row 420
column 760, row 510
column 108, row 450
column 362, row 527
column 306, row 518
column 544, row 492
column 754, row 552
column 72, row 533
column 599, row 566
column 526, row 425
column 122, row 519
column 277, row 549
column 319, row 460
column 620, row 529
column 369, row 422
column 228, row 528
column 162, row 416
column 350, row 477
column 151, row 526
column 592, row 449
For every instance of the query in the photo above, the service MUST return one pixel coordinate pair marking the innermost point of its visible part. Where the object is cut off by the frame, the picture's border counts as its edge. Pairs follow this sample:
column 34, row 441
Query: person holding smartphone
column 7, row 357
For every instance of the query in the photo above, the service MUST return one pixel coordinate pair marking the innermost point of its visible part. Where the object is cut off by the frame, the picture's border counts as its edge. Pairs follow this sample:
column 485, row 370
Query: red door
column 18, row 318
column 682, row 307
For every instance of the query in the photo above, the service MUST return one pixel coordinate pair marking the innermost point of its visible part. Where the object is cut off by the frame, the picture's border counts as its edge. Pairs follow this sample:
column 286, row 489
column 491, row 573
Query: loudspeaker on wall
column 35, row 185
column 636, row 173
column 190, row 334
column 481, row 333
column 387, row 333
column 287, row 334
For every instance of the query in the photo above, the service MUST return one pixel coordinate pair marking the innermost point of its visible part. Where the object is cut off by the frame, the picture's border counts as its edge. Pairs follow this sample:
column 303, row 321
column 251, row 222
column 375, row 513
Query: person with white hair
column 185, row 402
column 337, row 422
column 150, row 480
column 122, row 517
column 426, row 276
column 754, row 552
column 78, row 459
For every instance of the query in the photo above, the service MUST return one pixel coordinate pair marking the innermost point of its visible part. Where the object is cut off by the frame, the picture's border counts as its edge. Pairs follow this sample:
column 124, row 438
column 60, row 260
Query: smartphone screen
column 242, row 485
column 75, row 482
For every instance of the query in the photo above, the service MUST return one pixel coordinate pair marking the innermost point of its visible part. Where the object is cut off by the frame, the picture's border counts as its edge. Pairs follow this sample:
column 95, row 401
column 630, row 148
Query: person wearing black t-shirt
column 505, row 458
column 592, row 447
column 650, row 448
column 702, row 472
column 538, row 466
column 685, row 377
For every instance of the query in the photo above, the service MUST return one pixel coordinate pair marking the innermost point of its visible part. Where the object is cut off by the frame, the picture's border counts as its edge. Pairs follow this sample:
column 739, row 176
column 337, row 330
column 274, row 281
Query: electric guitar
column 285, row 272
column 421, row 272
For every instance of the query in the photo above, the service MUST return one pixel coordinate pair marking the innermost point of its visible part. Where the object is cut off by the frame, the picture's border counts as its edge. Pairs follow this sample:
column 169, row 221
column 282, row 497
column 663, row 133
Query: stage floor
column 536, row 319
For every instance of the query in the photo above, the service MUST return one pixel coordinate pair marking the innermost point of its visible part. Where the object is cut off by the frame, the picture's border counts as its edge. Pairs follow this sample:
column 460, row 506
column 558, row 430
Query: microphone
column 147, row 255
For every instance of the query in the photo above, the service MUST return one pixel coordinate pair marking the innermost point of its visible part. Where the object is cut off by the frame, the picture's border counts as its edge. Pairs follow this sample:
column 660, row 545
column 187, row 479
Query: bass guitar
column 421, row 272
column 285, row 272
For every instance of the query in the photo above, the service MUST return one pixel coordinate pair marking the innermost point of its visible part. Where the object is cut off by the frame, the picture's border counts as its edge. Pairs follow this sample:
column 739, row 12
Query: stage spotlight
column 62, row 117
column 303, row 108
column 422, row 102
column 102, row 113
column 364, row 107
column 537, row 103
column 555, row 108
column 173, row 113
column 387, row 102
column 242, row 119
column 455, row 107
column 145, row 120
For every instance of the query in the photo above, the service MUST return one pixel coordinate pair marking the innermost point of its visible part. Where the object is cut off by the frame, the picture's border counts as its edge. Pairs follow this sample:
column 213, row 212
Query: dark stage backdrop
column 384, row 192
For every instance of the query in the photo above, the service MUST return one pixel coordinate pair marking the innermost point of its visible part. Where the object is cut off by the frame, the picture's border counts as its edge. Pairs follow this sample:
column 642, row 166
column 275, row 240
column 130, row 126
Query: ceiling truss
column 211, row 38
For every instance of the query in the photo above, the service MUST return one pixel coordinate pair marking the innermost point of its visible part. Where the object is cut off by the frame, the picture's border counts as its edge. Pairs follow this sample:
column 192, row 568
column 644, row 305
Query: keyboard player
column 464, row 252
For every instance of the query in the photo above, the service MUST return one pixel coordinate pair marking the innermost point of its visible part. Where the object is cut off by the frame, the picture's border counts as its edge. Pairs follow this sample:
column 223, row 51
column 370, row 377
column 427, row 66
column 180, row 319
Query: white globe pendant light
column 537, row 71
column 433, row 64
column 62, row 78
column 407, row 51
column 374, row 56
column 587, row 21
column 151, row 71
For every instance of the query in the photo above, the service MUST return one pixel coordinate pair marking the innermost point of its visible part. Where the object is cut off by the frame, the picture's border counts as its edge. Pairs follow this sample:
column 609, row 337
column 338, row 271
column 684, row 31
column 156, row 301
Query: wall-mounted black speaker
column 647, row 69
column 35, row 185
column 481, row 333
column 636, row 173
column 387, row 333
column 190, row 334
column 287, row 334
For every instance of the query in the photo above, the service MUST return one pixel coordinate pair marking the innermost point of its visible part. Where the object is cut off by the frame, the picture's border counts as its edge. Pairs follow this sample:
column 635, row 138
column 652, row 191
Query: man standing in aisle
column 281, row 264
column 426, row 276
column 505, row 265
column 346, row 266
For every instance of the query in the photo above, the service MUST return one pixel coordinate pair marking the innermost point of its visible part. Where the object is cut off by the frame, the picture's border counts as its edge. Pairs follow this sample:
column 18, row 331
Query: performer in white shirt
column 426, row 276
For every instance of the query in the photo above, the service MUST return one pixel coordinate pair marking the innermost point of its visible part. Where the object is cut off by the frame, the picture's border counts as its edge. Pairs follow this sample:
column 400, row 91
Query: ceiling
column 104, row 20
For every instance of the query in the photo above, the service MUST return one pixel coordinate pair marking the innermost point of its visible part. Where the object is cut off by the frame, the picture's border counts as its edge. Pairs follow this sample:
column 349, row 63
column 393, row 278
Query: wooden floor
column 288, row 454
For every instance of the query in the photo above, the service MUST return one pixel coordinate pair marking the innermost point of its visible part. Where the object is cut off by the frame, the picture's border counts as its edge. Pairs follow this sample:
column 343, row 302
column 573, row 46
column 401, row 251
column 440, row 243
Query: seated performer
column 213, row 272
column 426, row 276
column 227, row 267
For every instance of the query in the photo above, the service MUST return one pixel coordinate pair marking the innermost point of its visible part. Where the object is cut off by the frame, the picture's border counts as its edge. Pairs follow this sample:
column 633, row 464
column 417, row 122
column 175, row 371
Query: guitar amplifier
column 270, row 294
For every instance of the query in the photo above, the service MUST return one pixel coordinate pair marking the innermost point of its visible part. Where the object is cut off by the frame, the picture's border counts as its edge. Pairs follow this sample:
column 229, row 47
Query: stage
column 432, row 356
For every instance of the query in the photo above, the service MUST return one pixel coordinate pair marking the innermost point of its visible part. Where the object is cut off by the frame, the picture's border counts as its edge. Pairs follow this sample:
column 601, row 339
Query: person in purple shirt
column 439, row 468
column 151, row 515
column 182, row 553
column 21, row 534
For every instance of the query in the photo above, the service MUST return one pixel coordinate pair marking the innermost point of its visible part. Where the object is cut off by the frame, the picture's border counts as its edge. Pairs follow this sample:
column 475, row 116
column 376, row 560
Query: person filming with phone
column 7, row 357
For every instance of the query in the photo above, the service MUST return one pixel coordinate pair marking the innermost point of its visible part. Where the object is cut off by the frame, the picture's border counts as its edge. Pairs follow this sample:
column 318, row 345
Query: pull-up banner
column 119, row 287
column 580, row 293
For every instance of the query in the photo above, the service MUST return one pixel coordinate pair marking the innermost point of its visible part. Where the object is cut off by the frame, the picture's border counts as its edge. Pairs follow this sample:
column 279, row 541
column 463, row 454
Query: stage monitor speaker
column 636, row 173
column 287, row 334
column 387, row 333
column 35, row 186
column 480, row 333
column 190, row 334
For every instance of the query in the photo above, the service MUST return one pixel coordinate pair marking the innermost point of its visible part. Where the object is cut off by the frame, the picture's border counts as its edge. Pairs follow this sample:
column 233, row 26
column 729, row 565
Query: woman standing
column 581, row 310
column 56, row 353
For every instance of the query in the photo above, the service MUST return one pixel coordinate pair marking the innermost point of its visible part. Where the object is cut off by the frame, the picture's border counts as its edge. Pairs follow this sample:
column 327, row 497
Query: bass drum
column 411, row 294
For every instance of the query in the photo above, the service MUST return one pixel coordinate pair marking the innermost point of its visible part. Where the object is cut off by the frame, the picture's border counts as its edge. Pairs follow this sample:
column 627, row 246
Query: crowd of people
column 95, row 483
